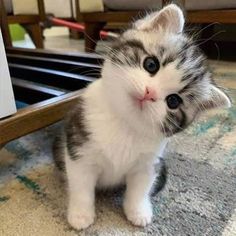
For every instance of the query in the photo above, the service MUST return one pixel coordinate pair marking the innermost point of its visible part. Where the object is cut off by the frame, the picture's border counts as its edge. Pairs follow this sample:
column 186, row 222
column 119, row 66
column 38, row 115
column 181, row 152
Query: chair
column 31, row 22
column 201, row 12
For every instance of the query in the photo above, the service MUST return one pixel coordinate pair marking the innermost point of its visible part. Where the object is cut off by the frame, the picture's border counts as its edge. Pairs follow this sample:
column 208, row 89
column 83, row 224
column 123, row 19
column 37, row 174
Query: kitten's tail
column 161, row 178
column 58, row 150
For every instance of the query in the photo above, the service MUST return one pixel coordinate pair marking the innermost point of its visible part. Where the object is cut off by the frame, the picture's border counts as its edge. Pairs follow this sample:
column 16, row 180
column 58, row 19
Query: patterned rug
column 199, row 198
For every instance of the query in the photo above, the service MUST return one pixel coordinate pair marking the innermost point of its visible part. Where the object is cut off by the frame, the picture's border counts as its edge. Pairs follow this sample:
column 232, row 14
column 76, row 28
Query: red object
column 78, row 27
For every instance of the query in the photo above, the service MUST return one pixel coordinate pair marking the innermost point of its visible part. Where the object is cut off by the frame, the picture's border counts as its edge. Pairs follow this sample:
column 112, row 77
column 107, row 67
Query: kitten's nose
column 150, row 94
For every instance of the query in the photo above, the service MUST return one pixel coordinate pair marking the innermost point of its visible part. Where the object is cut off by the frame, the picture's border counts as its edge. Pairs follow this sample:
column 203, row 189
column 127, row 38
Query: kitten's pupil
column 151, row 65
column 173, row 101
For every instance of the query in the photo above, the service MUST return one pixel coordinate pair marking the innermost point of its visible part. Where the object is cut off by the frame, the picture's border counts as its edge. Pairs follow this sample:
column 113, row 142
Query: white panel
column 25, row 6
column 91, row 5
column 7, row 100
column 59, row 8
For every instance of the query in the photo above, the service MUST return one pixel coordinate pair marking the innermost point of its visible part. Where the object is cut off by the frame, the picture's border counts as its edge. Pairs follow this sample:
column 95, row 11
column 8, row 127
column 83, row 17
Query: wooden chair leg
column 74, row 34
column 92, row 35
column 36, row 34
column 4, row 26
column 2, row 145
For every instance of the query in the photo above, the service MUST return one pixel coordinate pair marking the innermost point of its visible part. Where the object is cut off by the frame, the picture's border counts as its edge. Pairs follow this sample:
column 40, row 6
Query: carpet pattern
column 199, row 198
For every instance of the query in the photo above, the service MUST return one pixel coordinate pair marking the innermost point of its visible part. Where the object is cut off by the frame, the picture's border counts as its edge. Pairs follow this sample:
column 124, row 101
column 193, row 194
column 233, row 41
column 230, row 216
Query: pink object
column 150, row 94
column 79, row 27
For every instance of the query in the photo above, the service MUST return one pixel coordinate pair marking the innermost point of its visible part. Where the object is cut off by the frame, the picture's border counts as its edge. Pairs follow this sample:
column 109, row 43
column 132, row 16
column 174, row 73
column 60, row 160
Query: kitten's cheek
column 136, row 102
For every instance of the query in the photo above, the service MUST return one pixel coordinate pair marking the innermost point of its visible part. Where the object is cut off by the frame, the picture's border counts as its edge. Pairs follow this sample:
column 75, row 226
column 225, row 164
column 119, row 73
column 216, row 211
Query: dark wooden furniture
column 4, row 26
column 48, row 83
column 94, row 22
column 32, row 23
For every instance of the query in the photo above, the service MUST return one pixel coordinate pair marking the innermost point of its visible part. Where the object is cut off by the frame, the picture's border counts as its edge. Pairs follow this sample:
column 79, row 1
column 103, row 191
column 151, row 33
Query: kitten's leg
column 137, row 204
column 82, row 179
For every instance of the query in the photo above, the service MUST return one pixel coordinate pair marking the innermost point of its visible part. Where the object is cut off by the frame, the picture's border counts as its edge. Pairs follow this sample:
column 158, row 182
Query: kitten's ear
column 170, row 18
column 217, row 99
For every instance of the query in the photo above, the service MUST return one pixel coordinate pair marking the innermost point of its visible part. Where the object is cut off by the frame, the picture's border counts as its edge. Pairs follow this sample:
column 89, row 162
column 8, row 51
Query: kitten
column 154, row 83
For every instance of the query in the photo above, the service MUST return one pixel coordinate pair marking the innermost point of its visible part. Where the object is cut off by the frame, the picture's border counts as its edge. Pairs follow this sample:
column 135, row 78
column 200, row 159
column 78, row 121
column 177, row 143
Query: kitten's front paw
column 80, row 220
column 139, row 216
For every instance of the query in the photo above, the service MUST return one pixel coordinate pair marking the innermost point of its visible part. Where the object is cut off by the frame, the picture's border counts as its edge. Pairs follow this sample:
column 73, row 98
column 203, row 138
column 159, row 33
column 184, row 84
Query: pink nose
column 150, row 94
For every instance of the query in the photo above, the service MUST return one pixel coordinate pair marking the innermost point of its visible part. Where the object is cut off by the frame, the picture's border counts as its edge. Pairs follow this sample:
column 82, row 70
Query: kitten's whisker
column 173, row 122
column 153, row 123
column 153, row 112
column 204, row 28
column 154, row 115
column 196, row 103
column 130, row 82
column 199, row 104
column 127, row 60
column 92, row 71
column 162, row 126
column 222, row 31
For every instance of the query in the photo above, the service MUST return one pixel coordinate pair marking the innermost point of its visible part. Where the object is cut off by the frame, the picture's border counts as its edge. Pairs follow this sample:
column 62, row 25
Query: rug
column 199, row 197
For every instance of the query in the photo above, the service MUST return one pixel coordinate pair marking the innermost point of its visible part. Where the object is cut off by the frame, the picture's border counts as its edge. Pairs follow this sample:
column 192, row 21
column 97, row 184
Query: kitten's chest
column 120, row 155
column 119, row 142
column 121, row 150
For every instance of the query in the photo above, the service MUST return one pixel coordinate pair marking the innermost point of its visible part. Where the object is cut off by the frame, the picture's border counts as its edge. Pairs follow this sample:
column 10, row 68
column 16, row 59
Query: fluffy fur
column 110, row 138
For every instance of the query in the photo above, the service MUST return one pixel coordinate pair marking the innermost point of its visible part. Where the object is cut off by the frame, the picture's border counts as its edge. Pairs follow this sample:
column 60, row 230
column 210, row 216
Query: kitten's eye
column 173, row 101
column 151, row 65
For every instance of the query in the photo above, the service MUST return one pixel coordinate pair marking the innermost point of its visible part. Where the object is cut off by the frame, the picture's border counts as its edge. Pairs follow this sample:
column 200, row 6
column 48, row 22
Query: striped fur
column 76, row 133
column 187, row 58
column 154, row 83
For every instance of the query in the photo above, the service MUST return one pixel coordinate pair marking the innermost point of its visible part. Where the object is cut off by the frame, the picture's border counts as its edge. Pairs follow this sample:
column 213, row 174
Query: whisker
column 173, row 122
column 204, row 28
column 206, row 40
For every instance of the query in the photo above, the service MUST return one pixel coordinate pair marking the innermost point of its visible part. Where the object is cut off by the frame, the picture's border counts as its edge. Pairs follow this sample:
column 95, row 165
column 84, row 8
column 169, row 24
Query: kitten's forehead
column 153, row 40
column 166, row 47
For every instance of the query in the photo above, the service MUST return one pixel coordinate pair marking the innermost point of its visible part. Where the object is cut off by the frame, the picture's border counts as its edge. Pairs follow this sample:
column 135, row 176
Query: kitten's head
column 157, row 78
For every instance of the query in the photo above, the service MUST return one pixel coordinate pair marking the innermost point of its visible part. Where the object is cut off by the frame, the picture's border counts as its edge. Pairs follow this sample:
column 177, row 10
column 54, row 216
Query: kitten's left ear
column 217, row 99
column 170, row 18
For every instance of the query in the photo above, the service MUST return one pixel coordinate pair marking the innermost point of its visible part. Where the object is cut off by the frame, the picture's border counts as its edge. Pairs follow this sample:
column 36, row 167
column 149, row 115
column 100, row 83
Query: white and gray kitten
column 153, row 85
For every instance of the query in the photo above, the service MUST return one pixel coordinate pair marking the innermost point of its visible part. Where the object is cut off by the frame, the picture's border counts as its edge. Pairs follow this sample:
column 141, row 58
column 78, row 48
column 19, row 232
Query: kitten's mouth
column 140, row 102
column 143, row 101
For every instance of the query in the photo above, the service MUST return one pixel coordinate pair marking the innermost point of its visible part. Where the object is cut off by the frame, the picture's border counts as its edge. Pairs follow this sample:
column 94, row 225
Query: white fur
column 220, row 99
column 170, row 18
column 116, row 153
column 124, row 140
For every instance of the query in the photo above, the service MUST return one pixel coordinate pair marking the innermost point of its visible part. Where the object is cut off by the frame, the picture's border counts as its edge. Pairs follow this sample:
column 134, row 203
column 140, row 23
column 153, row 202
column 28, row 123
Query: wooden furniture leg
column 4, row 26
column 36, row 34
column 2, row 145
column 92, row 30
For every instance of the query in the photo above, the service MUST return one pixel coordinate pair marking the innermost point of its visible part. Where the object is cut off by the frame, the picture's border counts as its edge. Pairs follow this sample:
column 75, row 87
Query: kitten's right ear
column 170, row 18
column 217, row 99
